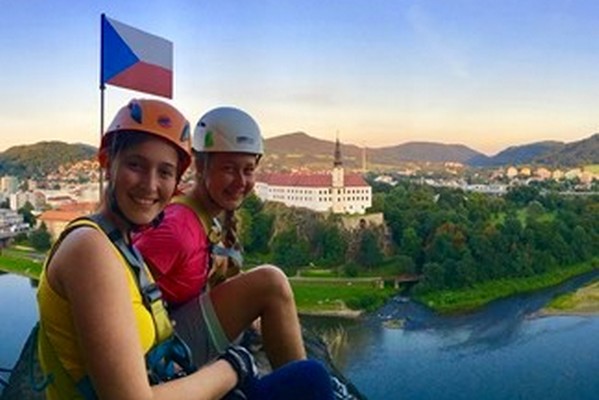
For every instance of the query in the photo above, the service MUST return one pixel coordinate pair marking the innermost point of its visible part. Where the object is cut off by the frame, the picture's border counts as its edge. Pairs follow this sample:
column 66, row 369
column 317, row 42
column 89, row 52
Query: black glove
column 242, row 362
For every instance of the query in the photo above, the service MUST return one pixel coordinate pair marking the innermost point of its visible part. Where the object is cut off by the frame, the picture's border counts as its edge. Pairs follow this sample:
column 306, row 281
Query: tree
column 334, row 246
column 290, row 251
column 466, row 275
column 432, row 278
column 369, row 254
column 522, row 195
column 40, row 239
column 26, row 212
column 261, row 232
column 411, row 244
column 535, row 209
column 404, row 265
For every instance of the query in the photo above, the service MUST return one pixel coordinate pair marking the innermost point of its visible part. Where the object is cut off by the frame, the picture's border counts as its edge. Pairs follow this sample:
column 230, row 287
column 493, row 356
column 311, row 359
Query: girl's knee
column 273, row 280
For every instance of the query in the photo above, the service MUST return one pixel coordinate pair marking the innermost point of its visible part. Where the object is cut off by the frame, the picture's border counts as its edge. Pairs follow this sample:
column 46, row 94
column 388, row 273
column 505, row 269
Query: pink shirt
column 177, row 254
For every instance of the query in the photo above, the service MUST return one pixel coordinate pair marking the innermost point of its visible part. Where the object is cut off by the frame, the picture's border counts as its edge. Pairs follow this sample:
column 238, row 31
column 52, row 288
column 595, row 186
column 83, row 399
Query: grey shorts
column 197, row 324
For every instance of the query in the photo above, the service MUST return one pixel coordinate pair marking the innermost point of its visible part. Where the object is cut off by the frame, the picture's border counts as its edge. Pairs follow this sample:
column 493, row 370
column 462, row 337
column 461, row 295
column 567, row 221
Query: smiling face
column 227, row 178
column 144, row 177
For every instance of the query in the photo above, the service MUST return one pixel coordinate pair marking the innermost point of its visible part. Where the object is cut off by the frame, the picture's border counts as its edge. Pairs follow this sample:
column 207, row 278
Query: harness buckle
column 152, row 293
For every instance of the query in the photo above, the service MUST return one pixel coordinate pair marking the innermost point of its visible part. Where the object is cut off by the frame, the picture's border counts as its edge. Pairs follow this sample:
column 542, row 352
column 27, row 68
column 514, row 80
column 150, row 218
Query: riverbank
column 340, row 298
column 322, row 297
column 585, row 301
column 465, row 300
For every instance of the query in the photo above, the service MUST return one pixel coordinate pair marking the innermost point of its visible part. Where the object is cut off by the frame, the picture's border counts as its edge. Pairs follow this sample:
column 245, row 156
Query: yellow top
column 57, row 321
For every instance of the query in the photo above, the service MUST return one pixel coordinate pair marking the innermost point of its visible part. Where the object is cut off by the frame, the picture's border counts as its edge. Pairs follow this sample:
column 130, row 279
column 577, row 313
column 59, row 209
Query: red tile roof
column 309, row 180
column 60, row 215
column 83, row 207
column 68, row 212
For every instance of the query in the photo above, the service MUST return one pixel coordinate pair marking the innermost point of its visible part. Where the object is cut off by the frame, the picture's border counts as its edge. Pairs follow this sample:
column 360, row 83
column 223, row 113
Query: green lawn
column 324, row 296
column 20, row 266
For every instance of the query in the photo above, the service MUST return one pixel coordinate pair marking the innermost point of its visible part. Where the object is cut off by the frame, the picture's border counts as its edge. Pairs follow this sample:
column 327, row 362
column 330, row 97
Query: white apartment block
column 9, row 184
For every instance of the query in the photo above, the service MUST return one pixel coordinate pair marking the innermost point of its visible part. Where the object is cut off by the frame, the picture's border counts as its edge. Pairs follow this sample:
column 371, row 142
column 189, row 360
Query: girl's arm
column 86, row 271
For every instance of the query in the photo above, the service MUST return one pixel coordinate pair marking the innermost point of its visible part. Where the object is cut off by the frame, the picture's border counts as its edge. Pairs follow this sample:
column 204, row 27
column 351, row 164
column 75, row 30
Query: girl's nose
column 239, row 178
column 150, row 179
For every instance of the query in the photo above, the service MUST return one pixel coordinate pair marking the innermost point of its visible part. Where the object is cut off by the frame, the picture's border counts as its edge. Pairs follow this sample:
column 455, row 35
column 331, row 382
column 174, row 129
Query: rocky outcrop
column 23, row 374
column 316, row 349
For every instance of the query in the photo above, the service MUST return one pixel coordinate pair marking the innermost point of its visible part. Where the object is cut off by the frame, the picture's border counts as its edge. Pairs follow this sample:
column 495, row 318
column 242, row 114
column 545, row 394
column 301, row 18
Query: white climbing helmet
column 227, row 129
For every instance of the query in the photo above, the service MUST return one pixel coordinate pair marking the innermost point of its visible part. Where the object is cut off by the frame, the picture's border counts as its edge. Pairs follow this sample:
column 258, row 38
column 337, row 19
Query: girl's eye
column 167, row 173
column 134, row 165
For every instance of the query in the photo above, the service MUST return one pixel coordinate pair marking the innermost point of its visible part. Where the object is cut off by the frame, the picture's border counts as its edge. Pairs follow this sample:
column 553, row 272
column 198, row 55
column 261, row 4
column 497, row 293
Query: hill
column 43, row 158
column 581, row 152
column 425, row 152
column 299, row 150
column 517, row 155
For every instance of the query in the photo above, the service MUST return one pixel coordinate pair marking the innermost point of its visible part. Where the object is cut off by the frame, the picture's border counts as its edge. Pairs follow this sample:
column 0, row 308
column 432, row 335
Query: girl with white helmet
column 186, row 251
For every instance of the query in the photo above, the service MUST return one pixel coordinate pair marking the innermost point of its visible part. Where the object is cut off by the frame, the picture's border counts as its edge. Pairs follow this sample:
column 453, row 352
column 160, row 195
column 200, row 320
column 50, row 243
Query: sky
column 487, row 74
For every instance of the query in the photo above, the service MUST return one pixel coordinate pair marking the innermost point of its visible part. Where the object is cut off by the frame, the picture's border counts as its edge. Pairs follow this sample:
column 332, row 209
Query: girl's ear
column 108, row 170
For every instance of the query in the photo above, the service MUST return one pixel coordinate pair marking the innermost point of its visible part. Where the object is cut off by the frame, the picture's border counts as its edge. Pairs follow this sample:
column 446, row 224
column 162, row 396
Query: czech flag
column 136, row 60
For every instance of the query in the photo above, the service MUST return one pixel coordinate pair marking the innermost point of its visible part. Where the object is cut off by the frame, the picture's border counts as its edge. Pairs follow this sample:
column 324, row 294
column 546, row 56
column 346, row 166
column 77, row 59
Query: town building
column 9, row 184
column 57, row 220
column 334, row 191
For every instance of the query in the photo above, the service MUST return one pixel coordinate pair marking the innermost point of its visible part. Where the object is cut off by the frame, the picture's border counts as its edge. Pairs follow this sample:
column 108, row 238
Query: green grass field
column 318, row 296
column 20, row 266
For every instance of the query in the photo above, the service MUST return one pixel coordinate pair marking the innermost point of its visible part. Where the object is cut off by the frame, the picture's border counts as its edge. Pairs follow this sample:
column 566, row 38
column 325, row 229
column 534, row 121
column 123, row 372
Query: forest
column 451, row 238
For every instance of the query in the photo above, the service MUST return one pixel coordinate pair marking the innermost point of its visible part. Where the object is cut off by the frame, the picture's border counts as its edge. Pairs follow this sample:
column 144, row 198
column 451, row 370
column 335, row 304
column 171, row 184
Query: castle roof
column 309, row 179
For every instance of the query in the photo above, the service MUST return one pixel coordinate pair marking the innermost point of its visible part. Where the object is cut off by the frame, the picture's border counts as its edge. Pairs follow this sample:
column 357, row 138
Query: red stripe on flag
column 147, row 78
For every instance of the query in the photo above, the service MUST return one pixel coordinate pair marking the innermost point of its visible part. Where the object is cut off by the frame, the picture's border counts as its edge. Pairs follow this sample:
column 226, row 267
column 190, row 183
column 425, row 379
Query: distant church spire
column 337, row 162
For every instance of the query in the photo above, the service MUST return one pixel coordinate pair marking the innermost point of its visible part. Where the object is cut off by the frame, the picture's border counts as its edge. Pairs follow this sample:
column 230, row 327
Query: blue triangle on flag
column 117, row 56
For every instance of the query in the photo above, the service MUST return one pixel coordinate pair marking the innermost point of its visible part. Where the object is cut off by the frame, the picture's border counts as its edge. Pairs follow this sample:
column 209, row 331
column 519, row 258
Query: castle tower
column 337, row 175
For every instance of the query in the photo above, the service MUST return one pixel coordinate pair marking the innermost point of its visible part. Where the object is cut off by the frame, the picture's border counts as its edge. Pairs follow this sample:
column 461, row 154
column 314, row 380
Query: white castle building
column 335, row 190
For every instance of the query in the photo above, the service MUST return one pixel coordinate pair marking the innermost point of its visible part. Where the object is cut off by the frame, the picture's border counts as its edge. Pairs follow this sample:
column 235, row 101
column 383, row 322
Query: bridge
column 376, row 281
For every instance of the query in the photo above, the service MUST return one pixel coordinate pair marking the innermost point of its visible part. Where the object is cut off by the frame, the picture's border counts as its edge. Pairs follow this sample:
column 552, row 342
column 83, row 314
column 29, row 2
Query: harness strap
column 150, row 292
column 212, row 228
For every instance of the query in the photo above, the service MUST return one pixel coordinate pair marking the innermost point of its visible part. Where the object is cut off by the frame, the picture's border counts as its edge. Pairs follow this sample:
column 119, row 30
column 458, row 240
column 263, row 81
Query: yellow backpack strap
column 151, row 295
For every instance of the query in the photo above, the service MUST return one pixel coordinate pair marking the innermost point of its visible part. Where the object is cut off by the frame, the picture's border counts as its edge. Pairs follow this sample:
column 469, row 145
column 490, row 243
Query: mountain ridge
column 299, row 150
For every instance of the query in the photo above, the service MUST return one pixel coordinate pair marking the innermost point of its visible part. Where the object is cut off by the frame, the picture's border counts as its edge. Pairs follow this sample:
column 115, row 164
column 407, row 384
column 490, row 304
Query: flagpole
column 102, row 88
column 101, row 174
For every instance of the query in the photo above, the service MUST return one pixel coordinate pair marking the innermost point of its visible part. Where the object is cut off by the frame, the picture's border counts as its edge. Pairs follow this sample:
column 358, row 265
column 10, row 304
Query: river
column 500, row 352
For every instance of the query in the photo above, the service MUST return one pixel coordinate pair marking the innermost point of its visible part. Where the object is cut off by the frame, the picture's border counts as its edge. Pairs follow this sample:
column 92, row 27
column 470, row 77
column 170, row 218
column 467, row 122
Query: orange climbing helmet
column 154, row 117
